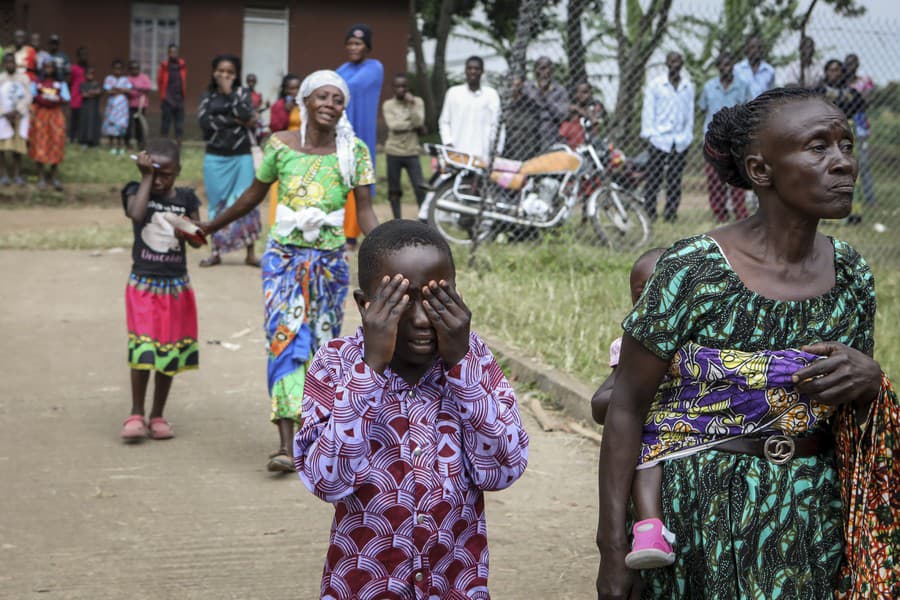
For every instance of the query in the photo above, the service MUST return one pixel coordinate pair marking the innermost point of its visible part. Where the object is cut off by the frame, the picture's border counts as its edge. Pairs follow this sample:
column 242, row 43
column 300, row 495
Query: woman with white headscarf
column 305, row 272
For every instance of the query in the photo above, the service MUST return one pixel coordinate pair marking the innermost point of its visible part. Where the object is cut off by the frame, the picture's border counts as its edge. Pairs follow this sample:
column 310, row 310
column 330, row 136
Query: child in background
column 652, row 545
column 89, row 118
column 137, row 105
column 159, row 301
column 115, row 118
column 414, row 393
column 47, row 138
column 259, row 106
column 15, row 108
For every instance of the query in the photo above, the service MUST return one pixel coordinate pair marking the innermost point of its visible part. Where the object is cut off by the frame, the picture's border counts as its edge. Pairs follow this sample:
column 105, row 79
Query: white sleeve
column 446, row 118
column 689, row 122
column 647, row 113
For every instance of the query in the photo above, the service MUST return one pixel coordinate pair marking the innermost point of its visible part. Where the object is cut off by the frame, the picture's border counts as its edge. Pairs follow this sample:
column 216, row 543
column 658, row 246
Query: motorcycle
column 520, row 199
column 613, row 204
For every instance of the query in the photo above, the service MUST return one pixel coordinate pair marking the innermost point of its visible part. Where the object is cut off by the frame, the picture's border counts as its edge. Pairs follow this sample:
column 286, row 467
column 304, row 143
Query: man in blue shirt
column 758, row 74
column 718, row 93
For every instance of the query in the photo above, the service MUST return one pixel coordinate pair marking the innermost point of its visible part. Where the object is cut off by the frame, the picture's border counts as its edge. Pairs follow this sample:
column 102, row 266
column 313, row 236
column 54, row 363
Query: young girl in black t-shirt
column 159, row 301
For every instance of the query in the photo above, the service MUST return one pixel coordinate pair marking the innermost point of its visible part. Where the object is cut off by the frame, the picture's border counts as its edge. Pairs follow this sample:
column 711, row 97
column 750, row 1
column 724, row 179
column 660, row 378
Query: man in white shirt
column 667, row 122
column 759, row 74
column 471, row 113
column 807, row 72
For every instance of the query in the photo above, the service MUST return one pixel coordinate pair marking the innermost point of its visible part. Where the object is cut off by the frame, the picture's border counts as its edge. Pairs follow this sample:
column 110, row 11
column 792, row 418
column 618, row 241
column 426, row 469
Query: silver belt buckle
column 779, row 449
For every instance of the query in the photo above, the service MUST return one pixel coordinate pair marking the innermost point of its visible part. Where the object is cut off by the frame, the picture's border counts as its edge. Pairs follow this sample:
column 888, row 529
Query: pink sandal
column 160, row 429
column 134, row 429
column 652, row 546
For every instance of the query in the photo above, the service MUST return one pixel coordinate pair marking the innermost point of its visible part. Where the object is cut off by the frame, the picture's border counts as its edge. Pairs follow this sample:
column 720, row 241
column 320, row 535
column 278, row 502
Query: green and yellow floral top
column 312, row 180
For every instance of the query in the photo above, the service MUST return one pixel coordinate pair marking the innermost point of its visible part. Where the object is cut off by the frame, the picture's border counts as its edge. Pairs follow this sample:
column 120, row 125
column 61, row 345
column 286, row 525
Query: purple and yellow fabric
column 711, row 396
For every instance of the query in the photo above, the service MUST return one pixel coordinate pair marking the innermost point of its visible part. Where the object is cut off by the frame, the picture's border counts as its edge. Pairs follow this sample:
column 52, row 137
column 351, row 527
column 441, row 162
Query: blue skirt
column 226, row 178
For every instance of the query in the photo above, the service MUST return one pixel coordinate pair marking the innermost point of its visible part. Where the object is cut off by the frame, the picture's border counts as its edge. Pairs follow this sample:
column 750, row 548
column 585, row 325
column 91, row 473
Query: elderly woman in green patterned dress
column 305, row 271
column 748, row 526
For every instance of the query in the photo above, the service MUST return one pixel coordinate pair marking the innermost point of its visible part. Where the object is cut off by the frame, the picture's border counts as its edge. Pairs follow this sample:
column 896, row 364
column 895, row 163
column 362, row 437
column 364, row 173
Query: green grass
column 92, row 176
column 561, row 300
column 83, row 238
column 565, row 304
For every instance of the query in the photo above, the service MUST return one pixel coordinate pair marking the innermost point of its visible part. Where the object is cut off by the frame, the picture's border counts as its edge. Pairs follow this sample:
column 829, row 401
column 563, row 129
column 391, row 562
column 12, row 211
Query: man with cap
column 364, row 77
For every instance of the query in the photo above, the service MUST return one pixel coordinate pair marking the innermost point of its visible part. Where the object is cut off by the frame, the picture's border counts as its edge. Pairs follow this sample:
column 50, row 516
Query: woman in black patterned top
column 226, row 118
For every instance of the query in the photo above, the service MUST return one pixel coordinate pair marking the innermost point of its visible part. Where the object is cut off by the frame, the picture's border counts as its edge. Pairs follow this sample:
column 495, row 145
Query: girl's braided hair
column 734, row 128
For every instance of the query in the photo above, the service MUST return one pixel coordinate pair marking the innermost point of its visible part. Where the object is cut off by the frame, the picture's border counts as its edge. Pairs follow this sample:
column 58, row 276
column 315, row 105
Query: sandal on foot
column 134, row 429
column 160, row 429
column 211, row 261
column 652, row 546
column 280, row 463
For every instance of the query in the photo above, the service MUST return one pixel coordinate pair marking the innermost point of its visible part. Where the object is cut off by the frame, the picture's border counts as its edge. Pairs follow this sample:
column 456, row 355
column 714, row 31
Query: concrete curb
column 572, row 394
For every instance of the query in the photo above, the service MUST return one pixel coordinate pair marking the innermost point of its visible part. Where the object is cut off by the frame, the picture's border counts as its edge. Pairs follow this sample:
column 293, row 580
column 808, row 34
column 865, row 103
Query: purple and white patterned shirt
column 406, row 467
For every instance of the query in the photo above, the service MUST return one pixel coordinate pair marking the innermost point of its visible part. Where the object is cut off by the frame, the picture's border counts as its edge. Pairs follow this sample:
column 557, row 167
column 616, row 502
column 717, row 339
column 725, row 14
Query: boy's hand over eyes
column 450, row 318
column 379, row 320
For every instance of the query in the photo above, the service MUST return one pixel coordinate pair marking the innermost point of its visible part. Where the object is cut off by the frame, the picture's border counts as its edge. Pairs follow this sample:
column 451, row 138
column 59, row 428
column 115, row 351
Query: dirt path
column 83, row 516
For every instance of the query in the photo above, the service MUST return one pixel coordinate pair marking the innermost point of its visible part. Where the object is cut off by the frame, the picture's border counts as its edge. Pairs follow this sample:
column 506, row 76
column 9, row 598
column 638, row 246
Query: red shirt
column 572, row 132
column 77, row 78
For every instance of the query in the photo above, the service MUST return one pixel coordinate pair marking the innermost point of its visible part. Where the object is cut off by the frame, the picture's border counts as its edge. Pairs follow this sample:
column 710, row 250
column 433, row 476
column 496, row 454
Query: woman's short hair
column 282, row 91
column 235, row 60
column 830, row 62
column 733, row 129
column 392, row 236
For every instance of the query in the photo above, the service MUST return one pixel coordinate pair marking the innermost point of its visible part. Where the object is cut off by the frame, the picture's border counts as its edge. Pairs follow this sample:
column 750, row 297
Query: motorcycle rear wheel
column 455, row 227
column 618, row 218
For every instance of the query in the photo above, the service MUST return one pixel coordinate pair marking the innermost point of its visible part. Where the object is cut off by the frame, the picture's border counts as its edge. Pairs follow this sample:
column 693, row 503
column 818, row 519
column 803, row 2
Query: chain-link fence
column 596, row 144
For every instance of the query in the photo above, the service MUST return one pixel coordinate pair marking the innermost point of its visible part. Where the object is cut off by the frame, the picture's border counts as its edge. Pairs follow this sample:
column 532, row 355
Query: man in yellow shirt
column 404, row 115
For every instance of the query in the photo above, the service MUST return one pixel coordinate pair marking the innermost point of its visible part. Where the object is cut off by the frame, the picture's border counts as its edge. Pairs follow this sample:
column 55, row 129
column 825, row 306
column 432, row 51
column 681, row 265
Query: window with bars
column 153, row 28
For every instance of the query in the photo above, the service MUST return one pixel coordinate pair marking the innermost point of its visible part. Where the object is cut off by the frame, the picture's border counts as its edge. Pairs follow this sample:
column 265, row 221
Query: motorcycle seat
column 544, row 164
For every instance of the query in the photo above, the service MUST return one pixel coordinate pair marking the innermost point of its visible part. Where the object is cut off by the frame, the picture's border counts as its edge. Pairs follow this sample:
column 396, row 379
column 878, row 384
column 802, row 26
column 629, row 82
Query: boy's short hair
column 391, row 236
column 164, row 147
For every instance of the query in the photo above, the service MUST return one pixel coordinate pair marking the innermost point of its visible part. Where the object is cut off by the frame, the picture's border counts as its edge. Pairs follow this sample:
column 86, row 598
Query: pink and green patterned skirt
column 162, row 324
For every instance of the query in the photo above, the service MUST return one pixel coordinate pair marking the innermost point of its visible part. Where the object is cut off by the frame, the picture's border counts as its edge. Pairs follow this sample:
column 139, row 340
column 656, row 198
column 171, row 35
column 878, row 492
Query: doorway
column 265, row 49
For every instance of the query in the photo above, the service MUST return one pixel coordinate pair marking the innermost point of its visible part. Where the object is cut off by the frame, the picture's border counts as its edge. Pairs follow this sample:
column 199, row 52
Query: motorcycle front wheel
column 618, row 218
column 456, row 227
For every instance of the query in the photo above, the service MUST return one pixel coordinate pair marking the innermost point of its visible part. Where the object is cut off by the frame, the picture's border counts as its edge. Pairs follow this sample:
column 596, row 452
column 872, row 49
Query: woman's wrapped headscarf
column 345, row 138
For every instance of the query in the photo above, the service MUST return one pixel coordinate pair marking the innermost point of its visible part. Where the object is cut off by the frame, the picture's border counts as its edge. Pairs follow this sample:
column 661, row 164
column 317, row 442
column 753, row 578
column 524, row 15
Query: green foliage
column 429, row 11
column 563, row 302
column 771, row 20
column 498, row 31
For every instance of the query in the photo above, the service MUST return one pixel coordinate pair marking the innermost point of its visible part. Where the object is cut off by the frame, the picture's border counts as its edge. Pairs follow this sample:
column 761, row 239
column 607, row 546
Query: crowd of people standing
column 407, row 422
column 47, row 99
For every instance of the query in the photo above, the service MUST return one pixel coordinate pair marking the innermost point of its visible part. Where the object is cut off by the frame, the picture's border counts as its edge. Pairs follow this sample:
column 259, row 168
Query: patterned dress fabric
column 748, row 528
column 115, row 117
column 47, row 137
column 304, row 291
column 162, row 324
column 304, row 283
column 870, row 489
column 15, row 106
column 225, row 179
column 406, row 467
column 710, row 396
column 312, row 180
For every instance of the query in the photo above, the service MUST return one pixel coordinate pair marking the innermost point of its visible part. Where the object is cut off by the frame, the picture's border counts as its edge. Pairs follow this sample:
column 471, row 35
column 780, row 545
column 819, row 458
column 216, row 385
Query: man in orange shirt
column 171, row 82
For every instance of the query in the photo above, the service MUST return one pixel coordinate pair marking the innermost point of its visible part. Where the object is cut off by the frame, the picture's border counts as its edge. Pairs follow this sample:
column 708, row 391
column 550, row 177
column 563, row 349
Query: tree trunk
column 575, row 44
column 803, row 25
column 638, row 35
column 439, row 65
column 422, row 80
column 526, row 26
